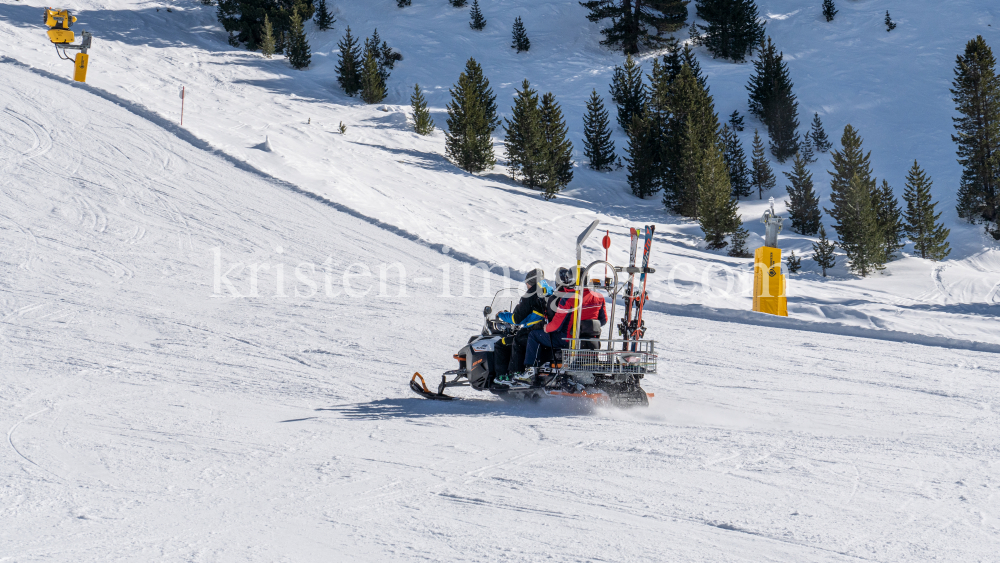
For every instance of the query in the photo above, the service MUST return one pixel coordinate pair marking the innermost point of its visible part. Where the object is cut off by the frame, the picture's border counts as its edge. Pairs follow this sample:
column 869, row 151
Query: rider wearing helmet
column 528, row 315
column 560, row 314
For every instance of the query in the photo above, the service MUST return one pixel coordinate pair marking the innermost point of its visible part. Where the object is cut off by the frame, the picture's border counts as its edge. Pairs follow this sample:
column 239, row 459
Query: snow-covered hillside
column 149, row 415
column 892, row 87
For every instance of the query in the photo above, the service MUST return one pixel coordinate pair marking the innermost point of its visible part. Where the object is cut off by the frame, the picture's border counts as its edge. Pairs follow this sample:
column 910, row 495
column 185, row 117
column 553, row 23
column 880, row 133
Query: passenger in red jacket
column 556, row 330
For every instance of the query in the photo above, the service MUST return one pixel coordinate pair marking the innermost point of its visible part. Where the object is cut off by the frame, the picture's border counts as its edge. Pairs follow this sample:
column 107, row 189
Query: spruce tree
column 866, row 247
column 324, row 19
column 976, row 93
column 823, row 251
column 848, row 162
column 558, row 169
column 772, row 101
column 422, row 122
column 372, row 86
column 628, row 92
column 889, row 24
column 633, row 21
column 403, row 3
column 597, row 144
column 930, row 238
column 383, row 56
column 734, row 28
column 244, row 20
column 806, row 149
column 267, row 41
column 349, row 64
column 803, row 205
column 472, row 118
column 736, row 121
column 717, row 210
column 280, row 43
column 818, row 135
column 794, row 263
column 487, row 99
column 761, row 176
column 691, row 129
column 736, row 162
column 458, row 3
column 478, row 21
column 890, row 220
column 738, row 243
column 521, row 41
column 642, row 156
column 524, row 140
column 298, row 47
column 829, row 10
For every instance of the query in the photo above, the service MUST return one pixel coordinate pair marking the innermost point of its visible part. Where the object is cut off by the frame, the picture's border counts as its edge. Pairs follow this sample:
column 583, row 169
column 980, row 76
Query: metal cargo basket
column 638, row 359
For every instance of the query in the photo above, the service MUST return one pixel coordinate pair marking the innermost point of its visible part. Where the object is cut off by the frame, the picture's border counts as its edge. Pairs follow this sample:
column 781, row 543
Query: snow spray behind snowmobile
column 606, row 371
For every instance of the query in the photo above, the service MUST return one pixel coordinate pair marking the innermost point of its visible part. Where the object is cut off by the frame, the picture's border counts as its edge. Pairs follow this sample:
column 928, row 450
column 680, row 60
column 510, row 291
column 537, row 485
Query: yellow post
column 769, row 282
column 81, row 64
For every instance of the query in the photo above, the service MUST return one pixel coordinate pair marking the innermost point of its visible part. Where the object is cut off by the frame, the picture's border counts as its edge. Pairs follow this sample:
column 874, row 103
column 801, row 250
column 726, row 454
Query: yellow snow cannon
column 59, row 22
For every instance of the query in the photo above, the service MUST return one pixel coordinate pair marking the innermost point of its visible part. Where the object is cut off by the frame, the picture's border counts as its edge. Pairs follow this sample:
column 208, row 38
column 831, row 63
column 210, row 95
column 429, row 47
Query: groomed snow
column 150, row 417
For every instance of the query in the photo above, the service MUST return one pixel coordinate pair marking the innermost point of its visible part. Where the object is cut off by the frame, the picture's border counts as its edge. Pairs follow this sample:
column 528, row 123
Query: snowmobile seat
column 590, row 332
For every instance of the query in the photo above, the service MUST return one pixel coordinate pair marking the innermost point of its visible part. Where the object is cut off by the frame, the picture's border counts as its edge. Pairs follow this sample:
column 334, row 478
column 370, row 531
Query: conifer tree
column 976, row 93
column 280, row 43
column 487, row 99
column 628, row 92
column 642, row 156
column 597, row 144
column 736, row 121
column 738, row 243
column 794, row 263
column 806, row 149
column 818, row 135
column 829, row 10
column 267, row 42
column 298, row 48
column 889, row 24
column 848, row 162
column 324, row 19
column 372, row 86
column 691, row 129
column 772, row 101
column 244, row 19
column 403, row 3
column 478, row 21
column 521, row 41
column 890, row 220
column 823, row 251
column 733, row 29
column 422, row 122
column 349, row 64
column 717, row 210
column 458, row 3
column 633, row 21
column 921, row 223
column 558, row 170
column 736, row 162
column 384, row 59
column 803, row 205
column 524, row 140
column 471, row 121
column 761, row 176
column 866, row 247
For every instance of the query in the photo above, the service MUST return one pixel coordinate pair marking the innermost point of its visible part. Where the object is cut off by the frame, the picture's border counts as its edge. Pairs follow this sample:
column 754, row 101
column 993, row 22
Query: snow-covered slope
column 148, row 415
column 147, row 418
column 893, row 87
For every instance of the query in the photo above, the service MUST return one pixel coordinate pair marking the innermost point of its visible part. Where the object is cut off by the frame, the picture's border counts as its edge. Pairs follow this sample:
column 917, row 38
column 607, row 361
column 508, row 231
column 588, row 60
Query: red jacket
column 593, row 308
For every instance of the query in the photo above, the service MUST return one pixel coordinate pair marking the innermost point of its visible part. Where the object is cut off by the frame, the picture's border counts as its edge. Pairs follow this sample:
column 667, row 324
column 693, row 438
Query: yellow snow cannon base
column 81, row 64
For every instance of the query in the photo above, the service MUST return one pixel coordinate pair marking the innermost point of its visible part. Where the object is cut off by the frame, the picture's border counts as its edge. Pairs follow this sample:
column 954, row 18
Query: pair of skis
column 631, row 327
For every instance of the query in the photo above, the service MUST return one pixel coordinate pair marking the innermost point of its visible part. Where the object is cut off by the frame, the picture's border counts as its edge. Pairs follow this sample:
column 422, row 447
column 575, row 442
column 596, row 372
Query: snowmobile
column 607, row 371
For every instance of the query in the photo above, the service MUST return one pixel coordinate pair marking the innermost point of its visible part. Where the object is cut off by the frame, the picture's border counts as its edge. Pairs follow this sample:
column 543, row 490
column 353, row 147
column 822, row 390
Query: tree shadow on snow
column 424, row 408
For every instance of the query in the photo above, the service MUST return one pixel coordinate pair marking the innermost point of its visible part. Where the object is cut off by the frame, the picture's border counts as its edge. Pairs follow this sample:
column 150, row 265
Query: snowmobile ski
column 422, row 390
